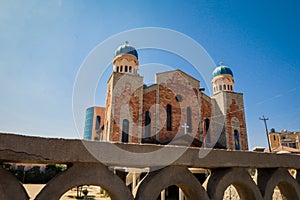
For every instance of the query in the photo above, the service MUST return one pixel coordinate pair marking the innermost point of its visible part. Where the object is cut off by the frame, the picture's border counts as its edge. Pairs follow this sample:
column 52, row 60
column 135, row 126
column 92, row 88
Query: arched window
column 98, row 122
column 236, row 140
column 206, row 123
column 130, row 69
column 126, row 68
column 117, row 68
column 231, row 88
column 220, row 86
column 125, row 130
column 274, row 137
column 121, row 68
column 224, row 87
column 189, row 119
column 228, row 87
column 147, row 124
column 169, row 117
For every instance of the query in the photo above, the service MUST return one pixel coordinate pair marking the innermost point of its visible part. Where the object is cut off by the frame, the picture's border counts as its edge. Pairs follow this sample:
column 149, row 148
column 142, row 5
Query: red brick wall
column 206, row 111
column 127, row 96
column 149, row 103
column 235, row 111
column 134, row 108
column 167, row 96
column 108, row 100
column 177, row 84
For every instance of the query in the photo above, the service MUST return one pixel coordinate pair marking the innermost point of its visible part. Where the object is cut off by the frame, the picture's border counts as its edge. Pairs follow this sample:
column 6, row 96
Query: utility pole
column 267, row 132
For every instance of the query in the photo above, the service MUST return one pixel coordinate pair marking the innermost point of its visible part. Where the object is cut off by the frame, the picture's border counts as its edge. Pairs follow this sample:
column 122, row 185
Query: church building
column 175, row 110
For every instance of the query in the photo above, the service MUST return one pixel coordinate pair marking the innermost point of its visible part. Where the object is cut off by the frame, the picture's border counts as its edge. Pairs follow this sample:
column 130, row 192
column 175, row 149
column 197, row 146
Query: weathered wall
column 25, row 149
column 125, row 93
column 149, row 104
column 175, row 85
column 229, row 107
column 88, row 164
column 206, row 114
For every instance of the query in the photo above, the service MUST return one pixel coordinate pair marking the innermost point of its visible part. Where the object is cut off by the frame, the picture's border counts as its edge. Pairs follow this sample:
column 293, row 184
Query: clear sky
column 43, row 44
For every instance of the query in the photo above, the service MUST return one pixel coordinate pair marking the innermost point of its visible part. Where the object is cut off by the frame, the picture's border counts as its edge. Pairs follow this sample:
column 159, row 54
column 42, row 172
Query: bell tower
column 126, row 60
column 229, row 122
column 222, row 79
column 124, row 98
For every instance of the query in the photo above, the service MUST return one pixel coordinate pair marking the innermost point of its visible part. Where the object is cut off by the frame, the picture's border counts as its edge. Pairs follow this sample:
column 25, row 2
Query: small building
column 94, row 123
column 284, row 140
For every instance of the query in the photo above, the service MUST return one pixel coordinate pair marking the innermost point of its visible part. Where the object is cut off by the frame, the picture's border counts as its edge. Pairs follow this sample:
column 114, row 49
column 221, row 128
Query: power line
column 267, row 132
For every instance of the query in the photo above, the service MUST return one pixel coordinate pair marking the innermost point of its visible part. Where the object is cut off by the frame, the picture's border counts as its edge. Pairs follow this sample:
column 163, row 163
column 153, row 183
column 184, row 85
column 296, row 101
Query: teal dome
column 222, row 70
column 126, row 49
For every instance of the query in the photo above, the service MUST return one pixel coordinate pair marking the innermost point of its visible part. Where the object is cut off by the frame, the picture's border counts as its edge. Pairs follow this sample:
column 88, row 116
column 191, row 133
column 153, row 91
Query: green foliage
column 19, row 174
column 35, row 175
column 85, row 192
column 7, row 167
column 51, row 171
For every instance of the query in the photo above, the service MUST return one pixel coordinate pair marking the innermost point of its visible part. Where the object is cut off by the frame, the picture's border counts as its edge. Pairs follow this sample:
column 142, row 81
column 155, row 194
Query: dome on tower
column 222, row 70
column 126, row 49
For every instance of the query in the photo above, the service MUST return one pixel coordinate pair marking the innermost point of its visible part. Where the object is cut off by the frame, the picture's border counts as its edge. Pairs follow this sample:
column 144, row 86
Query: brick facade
column 229, row 109
column 206, row 109
column 173, row 109
column 128, row 99
column 149, row 105
column 125, row 95
column 235, row 110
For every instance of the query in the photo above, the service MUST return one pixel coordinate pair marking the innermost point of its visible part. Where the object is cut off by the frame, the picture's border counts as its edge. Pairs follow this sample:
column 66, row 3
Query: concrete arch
column 268, row 179
column 156, row 181
column 10, row 187
column 220, row 179
column 85, row 174
column 298, row 176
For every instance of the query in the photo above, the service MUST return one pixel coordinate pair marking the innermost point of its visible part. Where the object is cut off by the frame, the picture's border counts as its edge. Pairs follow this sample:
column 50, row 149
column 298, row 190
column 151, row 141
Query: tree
column 34, row 175
column 52, row 170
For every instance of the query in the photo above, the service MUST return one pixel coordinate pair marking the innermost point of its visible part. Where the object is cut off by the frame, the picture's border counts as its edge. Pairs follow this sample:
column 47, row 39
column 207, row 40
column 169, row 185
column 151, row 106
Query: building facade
column 94, row 123
column 174, row 110
column 284, row 139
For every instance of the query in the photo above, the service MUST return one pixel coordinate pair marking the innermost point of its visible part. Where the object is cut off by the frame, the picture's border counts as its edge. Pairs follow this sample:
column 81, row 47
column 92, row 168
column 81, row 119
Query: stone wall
column 91, row 163
column 126, row 104
column 229, row 115
column 235, row 109
column 206, row 114
column 149, row 104
column 178, row 90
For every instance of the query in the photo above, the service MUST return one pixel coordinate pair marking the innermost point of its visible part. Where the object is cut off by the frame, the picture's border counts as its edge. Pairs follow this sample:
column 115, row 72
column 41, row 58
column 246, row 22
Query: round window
column 178, row 98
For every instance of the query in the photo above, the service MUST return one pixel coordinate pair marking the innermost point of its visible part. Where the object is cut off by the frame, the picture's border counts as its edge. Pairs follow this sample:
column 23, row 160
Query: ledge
column 27, row 149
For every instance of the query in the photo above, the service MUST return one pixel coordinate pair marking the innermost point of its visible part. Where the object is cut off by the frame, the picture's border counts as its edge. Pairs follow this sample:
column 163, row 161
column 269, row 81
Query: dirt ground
column 94, row 192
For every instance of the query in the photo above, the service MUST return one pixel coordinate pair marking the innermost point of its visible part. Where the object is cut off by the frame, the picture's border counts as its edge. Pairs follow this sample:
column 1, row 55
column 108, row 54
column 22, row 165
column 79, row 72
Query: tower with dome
column 174, row 110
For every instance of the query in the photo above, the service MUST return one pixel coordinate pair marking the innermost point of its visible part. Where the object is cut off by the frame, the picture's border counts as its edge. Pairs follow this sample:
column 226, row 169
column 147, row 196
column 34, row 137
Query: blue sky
column 43, row 44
